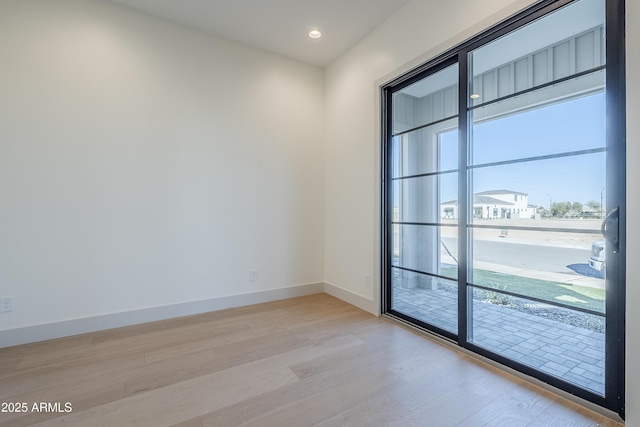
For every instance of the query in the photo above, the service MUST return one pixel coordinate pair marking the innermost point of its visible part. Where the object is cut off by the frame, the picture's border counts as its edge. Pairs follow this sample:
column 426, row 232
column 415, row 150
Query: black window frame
column 614, row 397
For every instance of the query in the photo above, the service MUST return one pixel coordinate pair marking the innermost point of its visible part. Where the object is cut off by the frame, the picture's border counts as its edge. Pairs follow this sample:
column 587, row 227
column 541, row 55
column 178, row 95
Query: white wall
column 144, row 164
column 633, row 207
column 421, row 30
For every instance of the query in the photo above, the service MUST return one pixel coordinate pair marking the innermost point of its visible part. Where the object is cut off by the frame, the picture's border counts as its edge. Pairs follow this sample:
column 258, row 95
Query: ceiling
column 279, row 26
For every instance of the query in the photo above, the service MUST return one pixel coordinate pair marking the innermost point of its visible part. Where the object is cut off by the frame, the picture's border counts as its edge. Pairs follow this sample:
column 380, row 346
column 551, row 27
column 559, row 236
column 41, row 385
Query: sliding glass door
column 504, row 198
column 424, row 174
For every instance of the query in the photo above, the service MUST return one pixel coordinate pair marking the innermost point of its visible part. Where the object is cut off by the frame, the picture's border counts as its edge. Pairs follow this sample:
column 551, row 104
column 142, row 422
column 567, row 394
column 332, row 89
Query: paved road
column 533, row 257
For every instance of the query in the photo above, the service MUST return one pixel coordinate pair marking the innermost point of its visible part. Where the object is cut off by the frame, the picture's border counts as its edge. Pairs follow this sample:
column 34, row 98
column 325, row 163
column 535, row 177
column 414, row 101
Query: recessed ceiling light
column 475, row 96
column 315, row 34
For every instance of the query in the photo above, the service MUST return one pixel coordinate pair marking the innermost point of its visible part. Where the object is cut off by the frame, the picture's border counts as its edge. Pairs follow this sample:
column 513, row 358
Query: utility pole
column 549, row 204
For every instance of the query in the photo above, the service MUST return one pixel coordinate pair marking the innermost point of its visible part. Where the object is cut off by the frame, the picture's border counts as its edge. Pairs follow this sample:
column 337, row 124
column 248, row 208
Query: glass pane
column 529, row 99
column 566, row 189
column 434, row 302
column 428, row 249
column 426, row 101
column 427, row 150
column 550, row 266
column 564, row 343
column 559, row 127
column 413, row 198
column 569, row 41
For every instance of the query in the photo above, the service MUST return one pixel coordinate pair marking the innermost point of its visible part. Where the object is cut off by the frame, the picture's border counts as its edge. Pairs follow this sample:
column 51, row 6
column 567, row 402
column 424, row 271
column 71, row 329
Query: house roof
column 483, row 200
column 484, row 193
column 486, row 200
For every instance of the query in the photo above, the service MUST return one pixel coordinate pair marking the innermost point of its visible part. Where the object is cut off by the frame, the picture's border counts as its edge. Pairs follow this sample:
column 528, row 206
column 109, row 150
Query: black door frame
column 614, row 398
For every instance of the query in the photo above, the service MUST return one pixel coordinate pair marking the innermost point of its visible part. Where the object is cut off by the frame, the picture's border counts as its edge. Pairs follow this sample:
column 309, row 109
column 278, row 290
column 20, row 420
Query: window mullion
column 463, row 190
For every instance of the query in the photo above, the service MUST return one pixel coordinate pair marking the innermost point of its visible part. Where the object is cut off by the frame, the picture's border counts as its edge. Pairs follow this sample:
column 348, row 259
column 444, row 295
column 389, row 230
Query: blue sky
column 578, row 124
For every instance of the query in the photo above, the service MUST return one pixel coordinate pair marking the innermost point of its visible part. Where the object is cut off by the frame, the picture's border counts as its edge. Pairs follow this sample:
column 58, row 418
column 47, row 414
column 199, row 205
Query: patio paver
column 569, row 352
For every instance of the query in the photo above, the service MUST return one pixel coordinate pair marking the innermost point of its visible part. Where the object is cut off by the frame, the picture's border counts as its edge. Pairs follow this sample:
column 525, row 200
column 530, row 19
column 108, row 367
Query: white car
column 596, row 260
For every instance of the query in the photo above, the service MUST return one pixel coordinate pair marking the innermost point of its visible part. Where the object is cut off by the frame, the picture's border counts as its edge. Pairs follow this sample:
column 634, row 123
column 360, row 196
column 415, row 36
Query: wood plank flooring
column 306, row 361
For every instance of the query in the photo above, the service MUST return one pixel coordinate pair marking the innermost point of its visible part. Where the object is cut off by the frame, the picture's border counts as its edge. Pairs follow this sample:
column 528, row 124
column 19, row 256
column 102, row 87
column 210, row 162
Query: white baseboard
column 30, row 334
column 354, row 299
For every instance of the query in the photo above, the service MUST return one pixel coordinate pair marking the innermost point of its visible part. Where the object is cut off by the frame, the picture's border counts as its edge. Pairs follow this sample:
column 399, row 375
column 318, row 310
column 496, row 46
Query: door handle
column 610, row 229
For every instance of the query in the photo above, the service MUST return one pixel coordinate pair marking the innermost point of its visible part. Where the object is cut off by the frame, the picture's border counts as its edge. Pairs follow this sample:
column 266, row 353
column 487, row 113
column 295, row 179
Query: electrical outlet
column 367, row 281
column 253, row 276
column 6, row 304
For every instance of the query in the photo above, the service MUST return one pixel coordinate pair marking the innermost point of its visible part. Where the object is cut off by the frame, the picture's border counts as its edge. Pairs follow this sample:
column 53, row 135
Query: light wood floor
column 307, row 361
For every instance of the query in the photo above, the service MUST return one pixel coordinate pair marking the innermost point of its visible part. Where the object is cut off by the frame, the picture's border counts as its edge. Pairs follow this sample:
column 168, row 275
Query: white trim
column 30, row 334
column 359, row 301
